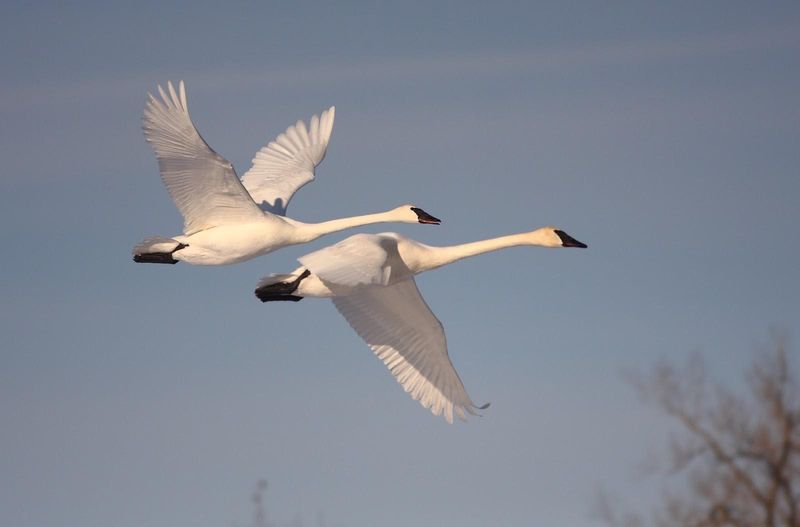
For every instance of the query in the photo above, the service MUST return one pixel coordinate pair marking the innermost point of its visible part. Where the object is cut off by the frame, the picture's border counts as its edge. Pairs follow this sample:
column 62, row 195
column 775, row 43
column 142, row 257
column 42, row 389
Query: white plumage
column 370, row 279
column 228, row 220
column 403, row 332
column 202, row 183
column 286, row 164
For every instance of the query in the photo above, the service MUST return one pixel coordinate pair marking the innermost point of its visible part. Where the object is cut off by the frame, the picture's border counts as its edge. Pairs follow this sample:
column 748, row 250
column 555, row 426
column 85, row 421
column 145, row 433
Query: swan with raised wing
column 370, row 279
column 228, row 220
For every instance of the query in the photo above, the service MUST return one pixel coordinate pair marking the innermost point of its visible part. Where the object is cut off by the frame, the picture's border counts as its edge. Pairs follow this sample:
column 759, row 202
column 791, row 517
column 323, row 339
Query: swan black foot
column 277, row 297
column 160, row 258
column 281, row 291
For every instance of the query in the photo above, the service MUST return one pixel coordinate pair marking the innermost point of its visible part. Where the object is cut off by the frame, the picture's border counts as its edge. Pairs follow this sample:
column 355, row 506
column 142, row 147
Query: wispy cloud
column 532, row 60
column 489, row 64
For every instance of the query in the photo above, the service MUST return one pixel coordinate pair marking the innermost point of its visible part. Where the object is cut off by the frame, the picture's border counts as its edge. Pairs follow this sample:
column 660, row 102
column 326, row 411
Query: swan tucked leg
column 157, row 250
column 280, row 287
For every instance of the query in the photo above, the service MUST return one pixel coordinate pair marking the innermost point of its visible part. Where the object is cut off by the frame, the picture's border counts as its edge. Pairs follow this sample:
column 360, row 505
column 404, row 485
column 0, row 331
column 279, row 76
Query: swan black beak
column 569, row 241
column 424, row 217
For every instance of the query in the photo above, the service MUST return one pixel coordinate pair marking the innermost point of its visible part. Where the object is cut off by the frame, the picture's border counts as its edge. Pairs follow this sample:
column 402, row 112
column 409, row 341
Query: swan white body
column 370, row 278
column 228, row 220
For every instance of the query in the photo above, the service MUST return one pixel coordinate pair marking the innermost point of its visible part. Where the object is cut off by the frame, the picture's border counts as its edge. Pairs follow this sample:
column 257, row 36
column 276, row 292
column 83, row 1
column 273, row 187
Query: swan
column 227, row 220
column 370, row 279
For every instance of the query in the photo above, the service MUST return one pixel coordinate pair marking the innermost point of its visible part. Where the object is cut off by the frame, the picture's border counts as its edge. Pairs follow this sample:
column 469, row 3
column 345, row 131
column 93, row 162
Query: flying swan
column 227, row 220
column 370, row 279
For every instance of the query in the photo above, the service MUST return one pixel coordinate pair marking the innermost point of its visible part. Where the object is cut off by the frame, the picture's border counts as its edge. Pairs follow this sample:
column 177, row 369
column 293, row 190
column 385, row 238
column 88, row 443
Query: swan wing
column 401, row 330
column 284, row 165
column 356, row 261
column 202, row 183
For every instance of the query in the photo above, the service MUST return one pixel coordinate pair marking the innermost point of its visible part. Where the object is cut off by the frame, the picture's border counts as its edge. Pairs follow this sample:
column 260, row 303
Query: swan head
column 413, row 214
column 554, row 237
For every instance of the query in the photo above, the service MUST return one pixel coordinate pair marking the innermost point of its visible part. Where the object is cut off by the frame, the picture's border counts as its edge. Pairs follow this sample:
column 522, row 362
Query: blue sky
column 664, row 135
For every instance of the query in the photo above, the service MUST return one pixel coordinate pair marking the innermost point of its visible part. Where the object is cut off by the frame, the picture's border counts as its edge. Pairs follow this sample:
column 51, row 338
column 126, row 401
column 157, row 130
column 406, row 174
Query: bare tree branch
column 740, row 456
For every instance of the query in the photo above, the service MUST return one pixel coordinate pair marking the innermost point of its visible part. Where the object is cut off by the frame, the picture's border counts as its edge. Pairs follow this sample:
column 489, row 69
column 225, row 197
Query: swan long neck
column 435, row 257
column 312, row 231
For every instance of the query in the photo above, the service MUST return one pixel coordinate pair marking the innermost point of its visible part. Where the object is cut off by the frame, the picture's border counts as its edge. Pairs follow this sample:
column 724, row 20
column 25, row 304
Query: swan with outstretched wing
column 228, row 220
column 370, row 279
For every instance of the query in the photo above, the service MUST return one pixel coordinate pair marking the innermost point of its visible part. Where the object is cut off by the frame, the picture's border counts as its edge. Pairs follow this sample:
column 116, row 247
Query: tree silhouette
column 739, row 456
column 259, row 516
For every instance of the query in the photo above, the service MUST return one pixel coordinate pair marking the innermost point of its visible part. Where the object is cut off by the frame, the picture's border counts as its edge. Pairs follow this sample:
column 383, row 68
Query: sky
column 665, row 135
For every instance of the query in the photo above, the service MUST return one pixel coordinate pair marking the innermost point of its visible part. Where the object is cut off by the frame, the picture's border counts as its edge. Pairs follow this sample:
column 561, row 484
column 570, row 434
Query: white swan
column 223, row 218
column 370, row 278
